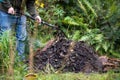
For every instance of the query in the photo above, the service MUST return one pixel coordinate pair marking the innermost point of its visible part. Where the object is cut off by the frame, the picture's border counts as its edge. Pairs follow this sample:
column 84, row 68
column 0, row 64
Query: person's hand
column 11, row 10
column 38, row 19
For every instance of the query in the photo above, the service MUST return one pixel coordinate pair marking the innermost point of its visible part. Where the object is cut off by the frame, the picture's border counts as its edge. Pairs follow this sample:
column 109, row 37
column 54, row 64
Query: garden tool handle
column 46, row 23
column 43, row 22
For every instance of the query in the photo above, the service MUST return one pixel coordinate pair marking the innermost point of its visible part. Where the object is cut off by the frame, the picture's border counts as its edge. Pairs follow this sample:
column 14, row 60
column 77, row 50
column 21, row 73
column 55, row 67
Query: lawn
column 68, row 76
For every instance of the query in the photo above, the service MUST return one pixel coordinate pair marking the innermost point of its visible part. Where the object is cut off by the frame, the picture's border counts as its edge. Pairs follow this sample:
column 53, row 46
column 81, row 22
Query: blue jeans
column 6, row 22
column 1, row 0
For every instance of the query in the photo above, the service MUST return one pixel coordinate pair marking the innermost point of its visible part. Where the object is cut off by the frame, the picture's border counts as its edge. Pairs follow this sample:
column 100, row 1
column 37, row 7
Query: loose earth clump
column 68, row 56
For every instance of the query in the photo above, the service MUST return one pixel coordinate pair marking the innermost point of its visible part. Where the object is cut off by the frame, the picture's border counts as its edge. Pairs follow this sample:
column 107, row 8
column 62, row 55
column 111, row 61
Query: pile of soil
column 68, row 56
column 110, row 64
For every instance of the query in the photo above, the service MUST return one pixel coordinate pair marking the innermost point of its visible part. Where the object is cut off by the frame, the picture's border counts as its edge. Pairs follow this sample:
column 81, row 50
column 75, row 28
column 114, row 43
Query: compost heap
column 68, row 56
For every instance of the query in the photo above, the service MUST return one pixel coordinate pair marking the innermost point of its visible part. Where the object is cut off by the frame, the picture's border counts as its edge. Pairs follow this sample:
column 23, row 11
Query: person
column 12, row 12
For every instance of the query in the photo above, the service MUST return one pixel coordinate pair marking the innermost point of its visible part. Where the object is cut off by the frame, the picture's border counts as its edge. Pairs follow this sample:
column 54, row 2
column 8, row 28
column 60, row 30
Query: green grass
column 20, row 72
column 79, row 76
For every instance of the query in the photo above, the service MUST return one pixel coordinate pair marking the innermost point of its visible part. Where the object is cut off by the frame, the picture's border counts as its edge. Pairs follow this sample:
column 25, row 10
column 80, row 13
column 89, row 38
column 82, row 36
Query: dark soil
column 68, row 56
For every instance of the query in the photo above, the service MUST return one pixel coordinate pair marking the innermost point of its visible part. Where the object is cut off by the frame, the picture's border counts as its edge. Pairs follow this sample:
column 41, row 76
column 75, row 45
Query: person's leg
column 4, row 22
column 21, row 35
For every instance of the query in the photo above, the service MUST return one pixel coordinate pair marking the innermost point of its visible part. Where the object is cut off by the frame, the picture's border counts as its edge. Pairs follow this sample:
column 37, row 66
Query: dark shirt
column 16, row 4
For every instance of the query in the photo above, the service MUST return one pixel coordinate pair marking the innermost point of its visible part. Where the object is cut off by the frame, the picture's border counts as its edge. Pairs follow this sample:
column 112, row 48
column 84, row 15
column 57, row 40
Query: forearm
column 31, row 7
column 6, row 4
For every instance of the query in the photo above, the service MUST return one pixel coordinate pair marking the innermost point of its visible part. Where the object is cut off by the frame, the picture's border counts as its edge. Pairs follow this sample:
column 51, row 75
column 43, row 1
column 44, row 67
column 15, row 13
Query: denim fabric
column 6, row 23
column 1, row 0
